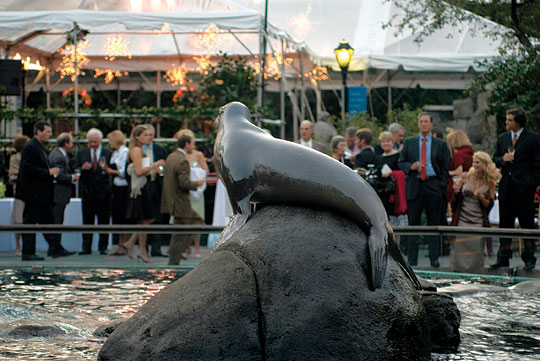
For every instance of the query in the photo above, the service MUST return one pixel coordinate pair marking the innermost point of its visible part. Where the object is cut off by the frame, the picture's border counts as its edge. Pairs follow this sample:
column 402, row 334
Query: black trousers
column 155, row 241
column 58, row 212
column 518, row 203
column 39, row 213
column 430, row 198
column 90, row 210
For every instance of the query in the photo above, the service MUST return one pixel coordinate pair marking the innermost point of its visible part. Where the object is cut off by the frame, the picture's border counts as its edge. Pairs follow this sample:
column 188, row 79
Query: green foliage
column 514, row 82
column 407, row 117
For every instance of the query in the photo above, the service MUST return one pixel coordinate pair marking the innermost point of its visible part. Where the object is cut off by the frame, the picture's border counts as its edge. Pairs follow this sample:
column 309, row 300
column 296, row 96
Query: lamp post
column 344, row 54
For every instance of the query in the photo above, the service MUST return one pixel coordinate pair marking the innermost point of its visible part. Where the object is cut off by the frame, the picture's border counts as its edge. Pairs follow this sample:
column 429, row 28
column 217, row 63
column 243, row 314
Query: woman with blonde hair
column 199, row 170
column 139, row 203
column 462, row 155
column 473, row 199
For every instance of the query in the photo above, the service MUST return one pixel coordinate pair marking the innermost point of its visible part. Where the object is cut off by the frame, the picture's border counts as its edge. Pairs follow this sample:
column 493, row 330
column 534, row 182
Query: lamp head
column 344, row 54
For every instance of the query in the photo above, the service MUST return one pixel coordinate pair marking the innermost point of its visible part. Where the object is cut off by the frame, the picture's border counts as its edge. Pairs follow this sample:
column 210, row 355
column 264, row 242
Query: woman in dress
column 339, row 145
column 472, row 200
column 18, row 205
column 462, row 156
column 120, row 186
column 139, row 203
column 199, row 169
column 390, row 156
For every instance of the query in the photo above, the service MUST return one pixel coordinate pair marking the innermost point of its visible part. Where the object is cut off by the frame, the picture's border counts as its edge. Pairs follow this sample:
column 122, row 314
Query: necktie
column 149, row 155
column 514, row 140
column 423, row 159
column 94, row 159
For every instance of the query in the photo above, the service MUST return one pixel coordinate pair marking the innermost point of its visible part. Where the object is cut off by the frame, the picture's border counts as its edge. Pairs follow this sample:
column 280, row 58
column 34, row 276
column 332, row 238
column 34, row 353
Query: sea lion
column 258, row 168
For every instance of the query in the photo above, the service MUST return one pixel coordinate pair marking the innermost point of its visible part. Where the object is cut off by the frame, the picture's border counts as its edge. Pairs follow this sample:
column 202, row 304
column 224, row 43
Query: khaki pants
column 181, row 242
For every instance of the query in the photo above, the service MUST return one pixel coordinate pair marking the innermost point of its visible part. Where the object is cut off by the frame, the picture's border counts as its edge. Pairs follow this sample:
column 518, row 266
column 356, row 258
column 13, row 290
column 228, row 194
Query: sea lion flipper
column 237, row 221
column 378, row 259
column 394, row 251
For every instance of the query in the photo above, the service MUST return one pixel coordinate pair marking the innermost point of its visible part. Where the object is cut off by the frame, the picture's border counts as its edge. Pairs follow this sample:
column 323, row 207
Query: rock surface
column 289, row 285
column 444, row 320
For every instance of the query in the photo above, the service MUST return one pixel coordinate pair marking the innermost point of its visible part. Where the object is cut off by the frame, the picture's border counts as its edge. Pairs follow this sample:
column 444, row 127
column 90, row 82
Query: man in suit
column 155, row 152
column 35, row 188
column 62, row 188
column 517, row 154
column 366, row 156
column 95, row 188
column 352, row 149
column 175, row 199
column 306, row 138
column 425, row 161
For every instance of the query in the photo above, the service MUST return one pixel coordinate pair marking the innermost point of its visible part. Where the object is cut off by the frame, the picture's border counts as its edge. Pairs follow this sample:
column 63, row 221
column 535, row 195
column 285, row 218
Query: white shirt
column 518, row 133
column 308, row 144
column 119, row 157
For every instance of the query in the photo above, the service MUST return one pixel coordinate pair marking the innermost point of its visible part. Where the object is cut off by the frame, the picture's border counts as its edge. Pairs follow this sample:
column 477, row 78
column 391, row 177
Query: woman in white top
column 120, row 186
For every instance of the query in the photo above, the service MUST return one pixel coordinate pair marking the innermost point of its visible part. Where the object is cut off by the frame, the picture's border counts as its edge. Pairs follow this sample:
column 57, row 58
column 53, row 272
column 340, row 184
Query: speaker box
column 10, row 77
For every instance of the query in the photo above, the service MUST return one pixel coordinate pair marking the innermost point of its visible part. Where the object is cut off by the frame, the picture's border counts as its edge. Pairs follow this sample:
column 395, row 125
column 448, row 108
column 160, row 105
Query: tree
column 513, row 78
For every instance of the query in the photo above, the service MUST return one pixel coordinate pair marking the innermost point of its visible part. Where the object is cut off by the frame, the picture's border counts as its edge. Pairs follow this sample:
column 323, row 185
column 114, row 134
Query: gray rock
column 289, row 285
column 469, row 289
column 444, row 320
column 33, row 328
column 107, row 329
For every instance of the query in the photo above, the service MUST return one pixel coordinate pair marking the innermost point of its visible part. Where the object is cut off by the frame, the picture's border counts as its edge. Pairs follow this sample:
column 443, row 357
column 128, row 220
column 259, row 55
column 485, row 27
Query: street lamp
column 344, row 54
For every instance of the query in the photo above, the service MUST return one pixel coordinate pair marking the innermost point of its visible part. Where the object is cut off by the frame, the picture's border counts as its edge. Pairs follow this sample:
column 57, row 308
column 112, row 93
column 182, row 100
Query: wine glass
column 511, row 149
column 102, row 164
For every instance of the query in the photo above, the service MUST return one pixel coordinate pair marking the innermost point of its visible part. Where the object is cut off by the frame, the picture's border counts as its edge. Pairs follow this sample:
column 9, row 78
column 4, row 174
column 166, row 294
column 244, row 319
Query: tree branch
column 520, row 34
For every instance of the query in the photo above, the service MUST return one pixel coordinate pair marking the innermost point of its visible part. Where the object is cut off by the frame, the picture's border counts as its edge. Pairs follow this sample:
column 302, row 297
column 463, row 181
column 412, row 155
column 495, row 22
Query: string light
column 164, row 29
column 176, row 75
column 110, row 74
column 318, row 73
column 203, row 63
column 117, row 46
column 67, row 66
column 272, row 65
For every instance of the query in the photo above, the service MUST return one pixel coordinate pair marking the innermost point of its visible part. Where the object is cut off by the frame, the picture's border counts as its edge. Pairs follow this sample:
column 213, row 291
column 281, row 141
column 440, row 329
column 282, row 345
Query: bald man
column 306, row 138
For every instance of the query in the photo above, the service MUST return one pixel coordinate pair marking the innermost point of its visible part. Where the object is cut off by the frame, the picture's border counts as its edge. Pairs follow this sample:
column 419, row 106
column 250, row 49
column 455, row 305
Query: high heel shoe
column 144, row 258
column 129, row 252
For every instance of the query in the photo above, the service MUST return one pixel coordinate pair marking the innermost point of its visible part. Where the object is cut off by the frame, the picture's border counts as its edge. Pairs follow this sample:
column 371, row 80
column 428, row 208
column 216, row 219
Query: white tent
column 322, row 24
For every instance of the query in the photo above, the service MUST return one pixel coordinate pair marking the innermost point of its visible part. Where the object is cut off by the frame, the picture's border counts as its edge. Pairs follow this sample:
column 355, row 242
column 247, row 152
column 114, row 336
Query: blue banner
column 357, row 101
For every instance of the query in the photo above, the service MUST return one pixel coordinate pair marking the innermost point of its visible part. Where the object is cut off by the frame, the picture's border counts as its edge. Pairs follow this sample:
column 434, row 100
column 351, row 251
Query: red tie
column 94, row 160
column 423, row 160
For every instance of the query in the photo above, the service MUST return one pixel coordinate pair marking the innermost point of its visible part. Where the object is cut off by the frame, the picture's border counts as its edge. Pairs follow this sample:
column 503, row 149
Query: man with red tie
column 517, row 154
column 425, row 161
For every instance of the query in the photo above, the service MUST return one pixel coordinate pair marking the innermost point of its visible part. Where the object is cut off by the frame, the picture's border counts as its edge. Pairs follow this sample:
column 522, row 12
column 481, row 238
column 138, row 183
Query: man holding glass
column 517, row 154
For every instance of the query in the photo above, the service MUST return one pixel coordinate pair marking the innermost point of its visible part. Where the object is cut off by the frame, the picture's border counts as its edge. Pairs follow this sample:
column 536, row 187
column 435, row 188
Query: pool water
column 498, row 324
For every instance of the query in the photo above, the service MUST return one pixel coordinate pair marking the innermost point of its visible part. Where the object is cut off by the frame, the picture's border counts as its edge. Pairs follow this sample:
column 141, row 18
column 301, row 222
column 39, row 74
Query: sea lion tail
column 394, row 251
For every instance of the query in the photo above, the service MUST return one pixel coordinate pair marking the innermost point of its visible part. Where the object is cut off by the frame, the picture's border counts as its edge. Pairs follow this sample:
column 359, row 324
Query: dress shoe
column 501, row 263
column 529, row 265
column 32, row 257
column 102, row 253
column 84, row 253
column 62, row 253
column 158, row 255
column 435, row 263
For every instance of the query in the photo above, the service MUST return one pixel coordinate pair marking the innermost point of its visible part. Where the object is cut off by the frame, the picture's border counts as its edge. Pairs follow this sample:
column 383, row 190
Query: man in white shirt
column 306, row 137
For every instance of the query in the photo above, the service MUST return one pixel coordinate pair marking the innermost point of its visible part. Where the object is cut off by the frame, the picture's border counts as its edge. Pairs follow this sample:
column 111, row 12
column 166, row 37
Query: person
column 462, row 158
column 139, row 204
column 306, row 137
column 518, row 156
column 155, row 152
column 398, row 132
column 65, row 178
column 95, row 188
column 352, row 149
column 389, row 155
column 425, row 160
column 366, row 156
column 13, row 172
column 120, row 187
column 471, row 202
column 35, row 187
column 199, row 170
column 339, row 145
column 175, row 198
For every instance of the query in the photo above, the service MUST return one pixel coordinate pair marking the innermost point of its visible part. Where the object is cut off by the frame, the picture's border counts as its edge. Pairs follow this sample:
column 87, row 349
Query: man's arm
column 32, row 165
column 499, row 153
column 404, row 162
column 182, row 171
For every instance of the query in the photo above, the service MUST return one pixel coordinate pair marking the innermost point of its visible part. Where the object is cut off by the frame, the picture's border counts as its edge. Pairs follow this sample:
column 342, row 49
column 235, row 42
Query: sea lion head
column 233, row 112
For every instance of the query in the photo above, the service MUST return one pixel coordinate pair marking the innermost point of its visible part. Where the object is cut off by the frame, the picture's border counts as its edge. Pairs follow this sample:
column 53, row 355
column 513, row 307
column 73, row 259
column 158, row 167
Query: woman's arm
column 202, row 161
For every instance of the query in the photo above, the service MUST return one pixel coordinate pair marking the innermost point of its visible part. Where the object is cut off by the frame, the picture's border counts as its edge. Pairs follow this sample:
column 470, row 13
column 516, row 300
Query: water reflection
column 497, row 324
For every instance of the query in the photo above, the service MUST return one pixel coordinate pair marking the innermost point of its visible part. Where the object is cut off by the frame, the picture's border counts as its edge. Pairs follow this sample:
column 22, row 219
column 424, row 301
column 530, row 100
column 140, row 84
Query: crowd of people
column 139, row 184
column 425, row 174
column 142, row 184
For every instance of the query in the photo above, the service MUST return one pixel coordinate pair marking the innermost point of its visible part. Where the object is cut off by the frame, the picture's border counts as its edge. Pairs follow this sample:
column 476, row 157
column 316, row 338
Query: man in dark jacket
column 517, row 154
column 425, row 161
column 35, row 187
column 95, row 188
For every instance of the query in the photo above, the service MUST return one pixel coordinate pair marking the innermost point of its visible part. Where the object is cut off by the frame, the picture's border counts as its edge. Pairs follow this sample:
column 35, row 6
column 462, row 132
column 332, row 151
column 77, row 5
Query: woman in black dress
column 139, row 204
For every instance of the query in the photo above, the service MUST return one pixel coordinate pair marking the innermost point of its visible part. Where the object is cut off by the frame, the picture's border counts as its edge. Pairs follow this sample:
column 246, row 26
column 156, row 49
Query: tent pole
column 282, row 96
column 389, row 92
column 76, row 85
column 158, row 101
column 48, row 87
column 302, row 89
column 261, row 79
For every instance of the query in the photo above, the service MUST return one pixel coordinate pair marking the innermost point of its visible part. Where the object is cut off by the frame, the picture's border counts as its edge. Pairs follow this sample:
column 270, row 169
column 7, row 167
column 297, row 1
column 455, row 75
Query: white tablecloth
column 70, row 241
